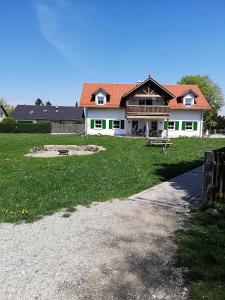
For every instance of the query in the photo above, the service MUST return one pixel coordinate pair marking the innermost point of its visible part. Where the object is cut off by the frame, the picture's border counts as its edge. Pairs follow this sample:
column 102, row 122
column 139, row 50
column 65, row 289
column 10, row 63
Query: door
column 154, row 126
column 134, row 125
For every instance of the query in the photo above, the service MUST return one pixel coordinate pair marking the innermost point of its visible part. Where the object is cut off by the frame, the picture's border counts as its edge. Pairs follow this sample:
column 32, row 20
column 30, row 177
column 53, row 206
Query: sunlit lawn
column 33, row 187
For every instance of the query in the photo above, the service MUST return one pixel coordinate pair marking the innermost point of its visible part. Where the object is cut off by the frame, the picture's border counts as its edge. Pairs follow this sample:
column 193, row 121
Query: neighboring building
column 3, row 113
column 52, row 114
column 145, row 108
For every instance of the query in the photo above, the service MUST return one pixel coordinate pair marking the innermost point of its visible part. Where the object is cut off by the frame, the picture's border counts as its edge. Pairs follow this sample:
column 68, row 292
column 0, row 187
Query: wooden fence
column 214, row 176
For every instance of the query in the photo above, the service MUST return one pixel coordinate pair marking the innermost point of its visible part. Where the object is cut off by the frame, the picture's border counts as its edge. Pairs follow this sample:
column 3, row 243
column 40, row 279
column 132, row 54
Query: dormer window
column 100, row 100
column 189, row 98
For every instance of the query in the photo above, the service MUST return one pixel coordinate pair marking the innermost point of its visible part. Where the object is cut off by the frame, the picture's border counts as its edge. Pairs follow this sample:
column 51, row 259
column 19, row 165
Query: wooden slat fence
column 214, row 176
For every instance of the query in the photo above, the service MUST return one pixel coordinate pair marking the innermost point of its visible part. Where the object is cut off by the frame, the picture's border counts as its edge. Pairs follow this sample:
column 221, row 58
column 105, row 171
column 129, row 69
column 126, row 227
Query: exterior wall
column 181, row 115
column 2, row 114
column 119, row 114
column 104, row 114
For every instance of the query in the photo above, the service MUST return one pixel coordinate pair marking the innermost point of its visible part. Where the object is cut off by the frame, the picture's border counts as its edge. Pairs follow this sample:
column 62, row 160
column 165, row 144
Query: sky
column 50, row 47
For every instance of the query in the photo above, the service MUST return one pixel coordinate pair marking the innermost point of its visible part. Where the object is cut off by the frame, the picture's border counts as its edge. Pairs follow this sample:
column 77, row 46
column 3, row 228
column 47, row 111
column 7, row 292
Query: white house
column 3, row 113
column 145, row 108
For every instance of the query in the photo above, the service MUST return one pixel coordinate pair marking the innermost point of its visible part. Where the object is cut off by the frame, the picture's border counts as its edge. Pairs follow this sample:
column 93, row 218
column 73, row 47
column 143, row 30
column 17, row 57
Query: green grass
column 33, row 187
column 201, row 249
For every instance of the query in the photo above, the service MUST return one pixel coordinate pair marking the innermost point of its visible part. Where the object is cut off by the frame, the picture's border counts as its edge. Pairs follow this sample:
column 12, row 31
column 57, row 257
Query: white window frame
column 189, row 129
column 113, row 124
column 97, row 126
column 173, row 128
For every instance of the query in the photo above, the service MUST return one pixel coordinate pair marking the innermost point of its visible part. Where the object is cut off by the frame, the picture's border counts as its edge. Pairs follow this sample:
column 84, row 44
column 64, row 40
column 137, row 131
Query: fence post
column 208, row 186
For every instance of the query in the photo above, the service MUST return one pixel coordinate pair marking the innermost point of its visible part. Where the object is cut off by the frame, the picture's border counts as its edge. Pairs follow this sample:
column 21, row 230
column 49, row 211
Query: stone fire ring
column 53, row 150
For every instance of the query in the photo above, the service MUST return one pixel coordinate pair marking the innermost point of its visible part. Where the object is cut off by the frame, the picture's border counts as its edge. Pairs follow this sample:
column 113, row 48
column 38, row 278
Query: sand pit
column 54, row 150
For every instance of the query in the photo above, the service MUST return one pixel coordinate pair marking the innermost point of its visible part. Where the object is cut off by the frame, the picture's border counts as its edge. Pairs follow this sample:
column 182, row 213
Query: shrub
column 26, row 128
column 9, row 120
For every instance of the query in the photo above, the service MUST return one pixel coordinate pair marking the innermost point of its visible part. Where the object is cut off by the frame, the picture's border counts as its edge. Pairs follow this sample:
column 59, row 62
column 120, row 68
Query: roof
column 5, row 112
column 51, row 113
column 119, row 90
column 180, row 89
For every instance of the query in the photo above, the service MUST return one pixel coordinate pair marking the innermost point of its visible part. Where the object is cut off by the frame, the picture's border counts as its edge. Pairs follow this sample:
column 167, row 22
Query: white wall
column 189, row 115
column 119, row 114
column 2, row 114
column 105, row 114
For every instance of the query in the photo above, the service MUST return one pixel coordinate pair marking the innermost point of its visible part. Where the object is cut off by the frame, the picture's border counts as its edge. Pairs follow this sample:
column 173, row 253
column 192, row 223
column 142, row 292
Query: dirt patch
column 54, row 150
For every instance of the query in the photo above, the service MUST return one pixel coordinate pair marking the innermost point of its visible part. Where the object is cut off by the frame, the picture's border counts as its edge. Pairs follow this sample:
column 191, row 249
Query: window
column 188, row 101
column 141, row 102
column 98, row 124
column 148, row 101
column 188, row 126
column 170, row 125
column 100, row 99
column 145, row 102
column 116, row 124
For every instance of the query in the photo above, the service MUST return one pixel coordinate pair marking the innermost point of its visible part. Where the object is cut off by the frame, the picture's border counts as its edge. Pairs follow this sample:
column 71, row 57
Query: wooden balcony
column 147, row 110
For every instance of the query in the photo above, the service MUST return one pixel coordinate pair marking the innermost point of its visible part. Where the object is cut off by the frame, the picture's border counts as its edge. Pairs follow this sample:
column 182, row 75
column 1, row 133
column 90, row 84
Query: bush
column 26, row 128
column 9, row 120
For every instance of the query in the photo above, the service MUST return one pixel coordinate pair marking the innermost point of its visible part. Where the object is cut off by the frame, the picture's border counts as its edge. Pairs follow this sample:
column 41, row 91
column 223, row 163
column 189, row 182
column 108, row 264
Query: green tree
column 9, row 108
column 48, row 103
column 210, row 90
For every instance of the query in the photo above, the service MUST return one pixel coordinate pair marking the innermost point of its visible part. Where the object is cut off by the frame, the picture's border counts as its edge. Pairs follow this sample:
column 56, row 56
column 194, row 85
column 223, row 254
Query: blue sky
column 49, row 47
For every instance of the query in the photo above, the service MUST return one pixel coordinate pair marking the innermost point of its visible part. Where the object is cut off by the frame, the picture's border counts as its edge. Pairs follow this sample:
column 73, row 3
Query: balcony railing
column 147, row 110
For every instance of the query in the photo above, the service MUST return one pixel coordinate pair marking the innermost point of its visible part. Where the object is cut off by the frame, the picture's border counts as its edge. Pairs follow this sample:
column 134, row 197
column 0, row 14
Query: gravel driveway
column 112, row 250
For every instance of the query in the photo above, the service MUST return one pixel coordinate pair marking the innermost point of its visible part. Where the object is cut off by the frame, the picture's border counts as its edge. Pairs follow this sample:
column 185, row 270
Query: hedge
column 26, row 128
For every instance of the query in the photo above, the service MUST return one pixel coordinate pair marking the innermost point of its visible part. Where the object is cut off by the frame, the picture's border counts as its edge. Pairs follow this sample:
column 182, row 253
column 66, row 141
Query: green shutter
column 195, row 126
column 165, row 125
column 183, row 125
column 92, row 124
column 110, row 124
column 177, row 125
column 103, row 124
column 122, row 124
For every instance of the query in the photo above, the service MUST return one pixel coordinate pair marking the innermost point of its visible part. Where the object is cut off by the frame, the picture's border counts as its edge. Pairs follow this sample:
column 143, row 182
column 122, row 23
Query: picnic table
column 63, row 152
column 161, row 141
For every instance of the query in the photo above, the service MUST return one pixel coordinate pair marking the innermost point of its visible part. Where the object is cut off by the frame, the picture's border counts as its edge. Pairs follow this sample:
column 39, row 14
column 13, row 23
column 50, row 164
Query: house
column 144, row 108
column 50, row 114
column 3, row 113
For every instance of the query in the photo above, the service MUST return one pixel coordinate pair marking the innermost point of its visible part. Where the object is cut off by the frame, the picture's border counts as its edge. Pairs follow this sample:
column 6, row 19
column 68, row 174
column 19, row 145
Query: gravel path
column 112, row 250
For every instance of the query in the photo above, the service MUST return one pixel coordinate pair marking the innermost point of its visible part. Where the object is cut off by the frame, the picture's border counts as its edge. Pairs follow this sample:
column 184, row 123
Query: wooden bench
column 63, row 152
column 160, row 142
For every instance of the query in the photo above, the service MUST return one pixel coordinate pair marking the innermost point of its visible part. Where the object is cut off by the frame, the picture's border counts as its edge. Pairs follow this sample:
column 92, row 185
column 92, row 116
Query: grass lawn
column 32, row 187
column 201, row 249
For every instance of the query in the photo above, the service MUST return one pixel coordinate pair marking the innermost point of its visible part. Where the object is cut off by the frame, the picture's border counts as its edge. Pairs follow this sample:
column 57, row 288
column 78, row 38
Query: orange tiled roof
column 116, row 92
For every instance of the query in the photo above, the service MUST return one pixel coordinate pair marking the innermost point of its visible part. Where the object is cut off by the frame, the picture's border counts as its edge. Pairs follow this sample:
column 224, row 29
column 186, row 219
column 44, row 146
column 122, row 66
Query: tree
column 9, row 108
column 210, row 90
column 39, row 102
column 48, row 103
column 9, row 120
column 76, row 104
